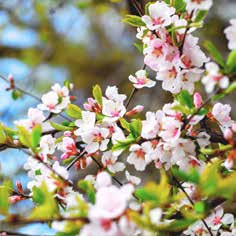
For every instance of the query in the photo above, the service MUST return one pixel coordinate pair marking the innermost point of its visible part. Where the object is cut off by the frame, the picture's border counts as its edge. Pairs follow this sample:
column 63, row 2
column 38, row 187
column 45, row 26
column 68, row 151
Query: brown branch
column 191, row 201
column 14, row 219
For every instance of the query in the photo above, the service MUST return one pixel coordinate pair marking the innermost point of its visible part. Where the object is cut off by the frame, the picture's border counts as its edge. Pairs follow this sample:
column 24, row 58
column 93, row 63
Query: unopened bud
column 67, row 133
column 135, row 110
column 197, row 100
column 234, row 127
column 19, row 187
column 228, row 134
column 14, row 199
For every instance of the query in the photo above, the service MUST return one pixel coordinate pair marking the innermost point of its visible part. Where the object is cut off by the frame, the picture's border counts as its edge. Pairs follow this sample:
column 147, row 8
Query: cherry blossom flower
column 68, row 146
column 222, row 114
column 103, row 179
column 96, row 139
column 218, row 218
column 230, row 33
column 86, row 123
column 61, row 170
column 132, row 179
column 112, row 94
column 192, row 56
column 197, row 229
column 109, row 160
column 214, row 77
column 111, row 202
column 140, row 80
column 180, row 24
column 151, row 126
column 198, row 5
column 160, row 15
column 56, row 100
column 112, row 109
column 47, row 144
column 35, row 117
column 139, row 156
column 170, row 129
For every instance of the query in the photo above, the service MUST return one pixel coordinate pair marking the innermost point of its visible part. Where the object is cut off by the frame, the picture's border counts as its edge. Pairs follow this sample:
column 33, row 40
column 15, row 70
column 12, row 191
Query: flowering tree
column 190, row 142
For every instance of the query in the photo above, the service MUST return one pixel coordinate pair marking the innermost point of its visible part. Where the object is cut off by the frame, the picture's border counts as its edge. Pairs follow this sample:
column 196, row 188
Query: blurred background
column 84, row 41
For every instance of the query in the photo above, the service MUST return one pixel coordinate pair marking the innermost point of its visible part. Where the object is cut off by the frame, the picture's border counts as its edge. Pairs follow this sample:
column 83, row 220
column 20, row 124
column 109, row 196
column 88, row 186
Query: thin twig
column 191, row 201
column 76, row 159
column 67, row 182
column 100, row 167
column 15, row 220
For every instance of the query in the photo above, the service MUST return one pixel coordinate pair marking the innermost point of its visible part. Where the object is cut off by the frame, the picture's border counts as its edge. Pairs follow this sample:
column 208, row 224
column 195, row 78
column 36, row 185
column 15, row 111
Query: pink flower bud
column 19, row 187
column 197, row 99
column 14, row 199
column 234, row 127
column 67, row 134
column 87, row 107
column 135, row 110
column 10, row 78
column 228, row 134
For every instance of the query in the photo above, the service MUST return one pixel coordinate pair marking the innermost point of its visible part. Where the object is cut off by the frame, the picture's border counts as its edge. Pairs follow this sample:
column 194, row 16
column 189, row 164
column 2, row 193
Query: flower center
column 140, row 153
column 157, row 21
column 216, row 220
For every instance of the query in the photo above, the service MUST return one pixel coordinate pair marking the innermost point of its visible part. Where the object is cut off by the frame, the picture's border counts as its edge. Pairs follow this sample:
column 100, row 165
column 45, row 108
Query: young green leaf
column 135, row 128
column 97, row 93
column 200, row 16
column 133, row 20
column 74, row 111
column 214, row 53
column 60, row 127
column 231, row 62
column 36, row 134
column 88, row 188
column 185, row 99
column 24, row 136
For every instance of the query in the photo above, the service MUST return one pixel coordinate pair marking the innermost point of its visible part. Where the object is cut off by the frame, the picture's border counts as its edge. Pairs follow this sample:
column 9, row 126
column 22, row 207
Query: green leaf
column 97, row 93
column 5, row 191
column 230, row 89
column 202, row 111
column 74, row 111
column 36, row 134
column 124, row 144
column 179, row 5
column 145, row 195
column 24, row 136
column 60, row 127
column 200, row 16
column 191, row 176
column 133, row 20
column 214, row 53
column 147, row 7
column 46, row 205
column 231, row 62
column 125, row 124
column 3, row 136
column 135, row 128
column 88, row 188
column 199, row 207
column 185, row 99
column 16, row 94
column 139, row 46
